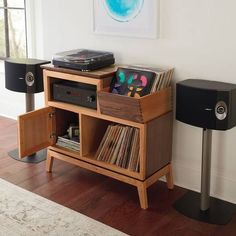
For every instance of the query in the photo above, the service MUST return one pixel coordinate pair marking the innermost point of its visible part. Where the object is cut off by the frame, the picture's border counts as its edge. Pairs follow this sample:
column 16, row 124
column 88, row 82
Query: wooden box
column 140, row 109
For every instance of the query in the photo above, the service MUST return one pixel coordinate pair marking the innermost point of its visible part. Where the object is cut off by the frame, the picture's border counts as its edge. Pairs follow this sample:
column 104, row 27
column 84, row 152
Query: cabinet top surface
column 97, row 74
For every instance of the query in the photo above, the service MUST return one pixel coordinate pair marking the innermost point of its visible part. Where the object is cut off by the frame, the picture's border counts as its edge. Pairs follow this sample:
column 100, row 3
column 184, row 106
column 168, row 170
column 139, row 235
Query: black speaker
column 24, row 75
column 209, row 105
column 206, row 104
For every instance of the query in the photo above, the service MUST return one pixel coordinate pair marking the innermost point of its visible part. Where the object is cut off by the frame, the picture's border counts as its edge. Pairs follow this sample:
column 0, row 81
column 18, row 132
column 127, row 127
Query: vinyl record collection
column 66, row 142
column 71, row 139
column 162, row 80
column 120, row 146
column 138, row 81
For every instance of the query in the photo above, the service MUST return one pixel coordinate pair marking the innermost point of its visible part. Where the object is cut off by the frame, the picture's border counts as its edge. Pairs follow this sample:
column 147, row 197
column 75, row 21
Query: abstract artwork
column 135, row 18
column 132, row 83
column 121, row 10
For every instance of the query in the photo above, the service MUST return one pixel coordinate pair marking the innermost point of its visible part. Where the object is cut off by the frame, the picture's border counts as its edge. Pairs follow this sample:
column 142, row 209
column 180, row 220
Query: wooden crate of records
column 138, row 95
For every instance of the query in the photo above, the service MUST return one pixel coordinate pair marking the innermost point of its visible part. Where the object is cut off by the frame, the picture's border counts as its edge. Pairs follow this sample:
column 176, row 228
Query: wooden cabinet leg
column 142, row 192
column 169, row 178
column 49, row 162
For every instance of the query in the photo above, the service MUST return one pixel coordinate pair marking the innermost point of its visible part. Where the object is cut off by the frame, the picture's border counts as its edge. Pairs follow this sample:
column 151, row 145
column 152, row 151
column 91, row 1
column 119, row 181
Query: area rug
column 27, row 214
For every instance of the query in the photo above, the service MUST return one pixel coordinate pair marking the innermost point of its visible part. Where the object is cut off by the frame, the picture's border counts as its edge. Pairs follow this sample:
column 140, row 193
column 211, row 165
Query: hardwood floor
column 101, row 198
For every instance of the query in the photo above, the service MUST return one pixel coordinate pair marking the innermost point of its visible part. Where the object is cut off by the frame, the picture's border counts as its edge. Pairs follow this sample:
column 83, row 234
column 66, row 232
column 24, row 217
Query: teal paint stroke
column 123, row 10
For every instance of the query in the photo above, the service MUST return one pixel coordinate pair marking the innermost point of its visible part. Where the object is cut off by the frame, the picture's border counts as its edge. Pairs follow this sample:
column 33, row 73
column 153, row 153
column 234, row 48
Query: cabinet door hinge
column 53, row 136
column 51, row 114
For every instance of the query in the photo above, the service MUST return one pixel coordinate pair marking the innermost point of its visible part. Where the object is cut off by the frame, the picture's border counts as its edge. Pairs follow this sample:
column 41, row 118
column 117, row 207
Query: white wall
column 196, row 37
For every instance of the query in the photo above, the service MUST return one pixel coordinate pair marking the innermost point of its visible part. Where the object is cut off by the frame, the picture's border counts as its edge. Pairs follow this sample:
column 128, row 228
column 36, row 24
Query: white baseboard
column 190, row 178
column 7, row 116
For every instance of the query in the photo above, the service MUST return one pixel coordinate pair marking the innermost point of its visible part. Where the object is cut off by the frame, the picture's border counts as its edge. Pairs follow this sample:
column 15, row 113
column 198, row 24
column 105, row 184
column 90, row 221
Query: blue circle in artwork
column 123, row 10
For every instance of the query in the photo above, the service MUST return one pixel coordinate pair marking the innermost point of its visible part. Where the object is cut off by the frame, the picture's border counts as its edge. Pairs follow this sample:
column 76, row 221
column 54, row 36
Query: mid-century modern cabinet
column 39, row 129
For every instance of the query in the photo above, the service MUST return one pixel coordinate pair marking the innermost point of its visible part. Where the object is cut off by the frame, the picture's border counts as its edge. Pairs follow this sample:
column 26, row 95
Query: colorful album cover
column 132, row 82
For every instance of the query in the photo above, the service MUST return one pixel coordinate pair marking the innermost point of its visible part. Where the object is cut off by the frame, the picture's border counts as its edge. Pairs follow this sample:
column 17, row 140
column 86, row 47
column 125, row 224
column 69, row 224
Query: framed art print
column 132, row 18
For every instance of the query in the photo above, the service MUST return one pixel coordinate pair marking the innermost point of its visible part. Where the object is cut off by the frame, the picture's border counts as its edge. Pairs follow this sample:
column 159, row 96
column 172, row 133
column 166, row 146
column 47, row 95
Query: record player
column 83, row 59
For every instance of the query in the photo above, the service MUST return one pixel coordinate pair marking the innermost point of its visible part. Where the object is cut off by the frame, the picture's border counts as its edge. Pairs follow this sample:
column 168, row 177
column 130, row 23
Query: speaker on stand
column 210, row 105
column 25, row 76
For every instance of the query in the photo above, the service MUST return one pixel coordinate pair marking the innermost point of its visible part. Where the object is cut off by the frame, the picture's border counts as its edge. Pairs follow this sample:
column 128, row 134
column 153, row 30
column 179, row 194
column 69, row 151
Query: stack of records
column 120, row 146
column 66, row 142
column 138, row 81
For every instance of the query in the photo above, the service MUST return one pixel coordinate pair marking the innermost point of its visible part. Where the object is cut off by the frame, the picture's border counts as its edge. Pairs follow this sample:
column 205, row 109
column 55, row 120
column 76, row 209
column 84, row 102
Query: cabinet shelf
column 72, row 108
column 92, row 113
column 154, row 140
column 66, row 151
column 90, row 159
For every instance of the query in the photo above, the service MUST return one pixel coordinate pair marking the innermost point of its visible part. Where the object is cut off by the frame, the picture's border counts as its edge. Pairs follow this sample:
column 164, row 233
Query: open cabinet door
column 35, row 131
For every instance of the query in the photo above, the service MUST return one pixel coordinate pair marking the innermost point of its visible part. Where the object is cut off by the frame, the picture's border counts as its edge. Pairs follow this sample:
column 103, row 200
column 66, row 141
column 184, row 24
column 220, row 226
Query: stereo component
column 206, row 104
column 83, row 59
column 209, row 105
column 24, row 75
column 76, row 93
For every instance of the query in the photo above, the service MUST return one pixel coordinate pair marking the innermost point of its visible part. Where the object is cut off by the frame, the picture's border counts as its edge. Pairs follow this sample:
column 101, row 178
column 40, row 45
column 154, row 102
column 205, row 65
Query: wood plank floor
column 101, row 198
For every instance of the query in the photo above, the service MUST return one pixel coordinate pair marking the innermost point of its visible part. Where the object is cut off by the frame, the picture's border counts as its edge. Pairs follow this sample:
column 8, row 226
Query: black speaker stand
column 35, row 157
column 201, row 206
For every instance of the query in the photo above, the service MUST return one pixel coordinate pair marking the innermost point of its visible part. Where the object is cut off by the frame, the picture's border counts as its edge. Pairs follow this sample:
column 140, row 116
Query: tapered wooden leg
column 142, row 192
column 49, row 162
column 169, row 178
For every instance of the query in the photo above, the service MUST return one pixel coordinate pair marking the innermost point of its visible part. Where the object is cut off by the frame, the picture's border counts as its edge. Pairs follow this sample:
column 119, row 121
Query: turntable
column 83, row 59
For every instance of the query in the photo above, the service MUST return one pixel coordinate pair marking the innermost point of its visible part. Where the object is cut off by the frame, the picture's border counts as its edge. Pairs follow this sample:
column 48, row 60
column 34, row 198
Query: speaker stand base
column 35, row 158
column 219, row 213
